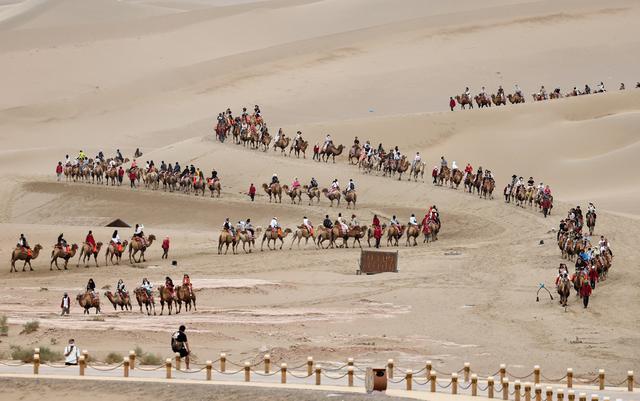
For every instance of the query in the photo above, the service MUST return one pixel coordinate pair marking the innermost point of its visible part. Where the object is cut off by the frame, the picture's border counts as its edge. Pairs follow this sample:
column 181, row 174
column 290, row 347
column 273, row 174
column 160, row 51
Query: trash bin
column 375, row 380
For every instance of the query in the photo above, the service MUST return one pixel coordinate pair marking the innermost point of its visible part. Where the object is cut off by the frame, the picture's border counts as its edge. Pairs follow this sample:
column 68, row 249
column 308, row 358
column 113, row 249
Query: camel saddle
column 28, row 251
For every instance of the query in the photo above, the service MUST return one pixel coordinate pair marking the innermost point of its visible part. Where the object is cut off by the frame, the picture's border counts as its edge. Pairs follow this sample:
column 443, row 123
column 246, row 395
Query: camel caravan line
column 528, row 194
column 592, row 261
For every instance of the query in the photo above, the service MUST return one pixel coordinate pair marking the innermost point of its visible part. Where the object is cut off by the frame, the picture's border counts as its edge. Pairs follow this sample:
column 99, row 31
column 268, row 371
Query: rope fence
column 461, row 381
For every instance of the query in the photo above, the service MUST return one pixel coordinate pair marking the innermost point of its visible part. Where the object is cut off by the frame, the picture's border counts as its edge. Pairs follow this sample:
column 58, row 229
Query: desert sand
column 153, row 74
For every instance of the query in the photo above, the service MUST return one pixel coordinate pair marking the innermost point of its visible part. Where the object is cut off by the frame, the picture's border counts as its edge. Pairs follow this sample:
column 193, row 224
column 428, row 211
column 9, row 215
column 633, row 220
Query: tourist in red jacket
column 585, row 292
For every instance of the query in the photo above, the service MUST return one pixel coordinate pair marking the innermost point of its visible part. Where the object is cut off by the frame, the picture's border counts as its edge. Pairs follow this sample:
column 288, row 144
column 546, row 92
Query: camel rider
column 443, row 163
column 121, row 289
column 413, row 221
column 249, row 227
column 467, row 92
column 227, row 226
column 543, row 92
column 91, row 241
column 177, row 168
column 307, row 224
column 344, row 228
column 91, row 286
column 147, row 166
column 396, row 154
column 163, row 166
column 416, row 159
column 67, row 161
column 168, row 283
column 241, row 226
column 100, row 156
column 119, row 156
column 62, row 243
column 327, row 141
column 148, row 287
column 22, row 242
column 547, row 190
column 591, row 209
column 356, row 141
column 245, row 115
column 314, row 183
column 335, row 186
column 139, row 233
column 454, row 167
column 520, row 182
column 298, row 139
column 81, row 155
column 562, row 273
column 601, row 87
column 326, row 222
column 500, row 91
column 394, row 222
column 186, row 282
column 367, row 147
column 468, row 170
column 518, row 90
column 351, row 186
column 220, row 118
column 274, row 179
column 354, row 222
column 488, row 174
column 192, row 169
column 278, row 136
column 295, row 184
column 530, row 183
column 483, row 92
column 256, row 109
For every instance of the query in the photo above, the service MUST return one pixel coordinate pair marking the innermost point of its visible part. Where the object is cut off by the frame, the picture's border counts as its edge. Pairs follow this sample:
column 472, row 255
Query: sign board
column 373, row 262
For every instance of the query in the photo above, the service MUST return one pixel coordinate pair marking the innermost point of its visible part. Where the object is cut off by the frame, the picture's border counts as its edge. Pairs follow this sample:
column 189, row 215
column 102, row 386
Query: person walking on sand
column 585, row 292
column 165, row 248
column 65, row 304
column 452, row 103
column 71, row 353
column 59, row 170
column 180, row 345
column 252, row 192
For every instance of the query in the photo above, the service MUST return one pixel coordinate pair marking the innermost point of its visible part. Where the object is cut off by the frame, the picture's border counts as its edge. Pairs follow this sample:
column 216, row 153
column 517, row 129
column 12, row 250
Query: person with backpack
column 180, row 345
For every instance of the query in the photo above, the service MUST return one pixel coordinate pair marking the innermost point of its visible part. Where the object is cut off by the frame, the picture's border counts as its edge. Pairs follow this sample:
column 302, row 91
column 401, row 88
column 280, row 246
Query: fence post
column 126, row 367
column 467, row 371
column 81, row 363
column 409, row 379
column 309, row 366
column 209, row 370
column 318, row 375
column 490, row 387
column 582, row 396
column 505, row 389
column 283, row 373
column 549, row 394
column 571, row 395
column 223, row 362
column 167, row 365
column 433, row 379
column 474, row 385
column 247, row 371
column 85, row 353
column 36, row 364
column 594, row 397
column 350, row 362
column 630, row 380
column 267, row 363
column 560, row 394
column 536, row 374
column 503, row 371
column 177, row 357
column 454, row 383
column 517, row 389
column 132, row 360
column 569, row 378
column 428, row 368
column 601, row 378
column 390, row 368
column 538, row 390
column 350, row 375
column 527, row 391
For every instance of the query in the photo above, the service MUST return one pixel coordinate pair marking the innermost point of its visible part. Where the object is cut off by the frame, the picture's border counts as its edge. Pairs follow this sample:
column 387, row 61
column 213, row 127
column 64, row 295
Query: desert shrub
column 4, row 326
column 113, row 358
column 30, row 327
column 147, row 358
column 26, row 354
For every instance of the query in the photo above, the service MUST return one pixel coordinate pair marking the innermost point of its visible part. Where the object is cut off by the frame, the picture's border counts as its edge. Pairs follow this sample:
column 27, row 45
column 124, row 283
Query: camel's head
column 152, row 237
column 325, row 190
column 79, row 297
column 305, row 187
column 265, row 186
column 287, row 231
column 99, row 245
column 125, row 243
column 74, row 247
column 108, row 294
column 285, row 188
column 38, row 247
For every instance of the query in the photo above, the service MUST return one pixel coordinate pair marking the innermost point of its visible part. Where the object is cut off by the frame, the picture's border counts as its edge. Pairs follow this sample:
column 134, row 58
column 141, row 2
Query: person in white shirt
column 454, row 166
column 307, row 224
column 518, row 91
column 413, row 221
column 335, row 186
column 65, row 304
column 417, row 159
column 274, row 223
column 71, row 353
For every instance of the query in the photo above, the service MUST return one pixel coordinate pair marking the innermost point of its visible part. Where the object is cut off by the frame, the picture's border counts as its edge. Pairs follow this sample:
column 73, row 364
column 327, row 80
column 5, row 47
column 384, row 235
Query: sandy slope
column 152, row 74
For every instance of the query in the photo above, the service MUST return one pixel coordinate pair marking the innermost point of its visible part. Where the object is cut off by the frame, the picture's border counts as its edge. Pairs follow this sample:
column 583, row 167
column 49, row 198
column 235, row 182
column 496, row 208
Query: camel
column 354, row 153
column 143, row 298
column 199, row 186
column 394, row 233
column 564, row 289
column 293, row 193
column 244, row 237
column 226, row 238
column 62, row 254
column 456, row 178
column 413, row 232
column 417, row 169
column 124, row 302
column 499, row 100
column 301, row 146
column 482, row 101
column 137, row 245
column 515, row 98
column 274, row 235
column 214, row 186
column 166, row 297
column 332, row 195
column 488, row 185
column 312, row 193
column 87, row 301
column 370, row 232
column 357, row 233
column 113, row 250
column 444, row 176
column 350, row 197
column 303, row 232
column 464, row 100
column 591, row 222
column 469, row 182
column 323, row 234
column 282, row 144
column 86, row 251
column 331, row 151
column 186, row 296
column 274, row 191
column 402, row 167
column 430, row 231
column 521, row 196
column 266, row 140
column 27, row 256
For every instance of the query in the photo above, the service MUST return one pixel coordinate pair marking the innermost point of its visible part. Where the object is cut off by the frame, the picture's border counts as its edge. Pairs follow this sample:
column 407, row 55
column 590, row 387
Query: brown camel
column 331, row 151
column 464, row 101
column 312, row 193
column 86, row 251
column 591, row 222
column 413, row 232
column 123, row 301
column 87, row 301
column 199, row 185
column 266, row 140
column 274, row 235
column 456, row 178
column 303, row 232
column 350, row 197
column 166, row 297
column 293, row 194
column 515, row 98
column 245, row 238
column 143, row 298
column 63, row 254
column 483, row 101
column 274, row 191
column 282, row 144
column 370, row 232
column 226, row 238
column 402, row 167
column 214, row 186
column 357, row 233
column 394, row 233
column 26, row 255
column 417, row 169
column 488, row 185
column 323, row 234
column 431, row 231
column 187, row 296
column 333, row 195
column 444, row 176
column 499, row 100
column 301, row 146
column 139, row 245
column 114, row 250
column 564, row 290
column 354, row 154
